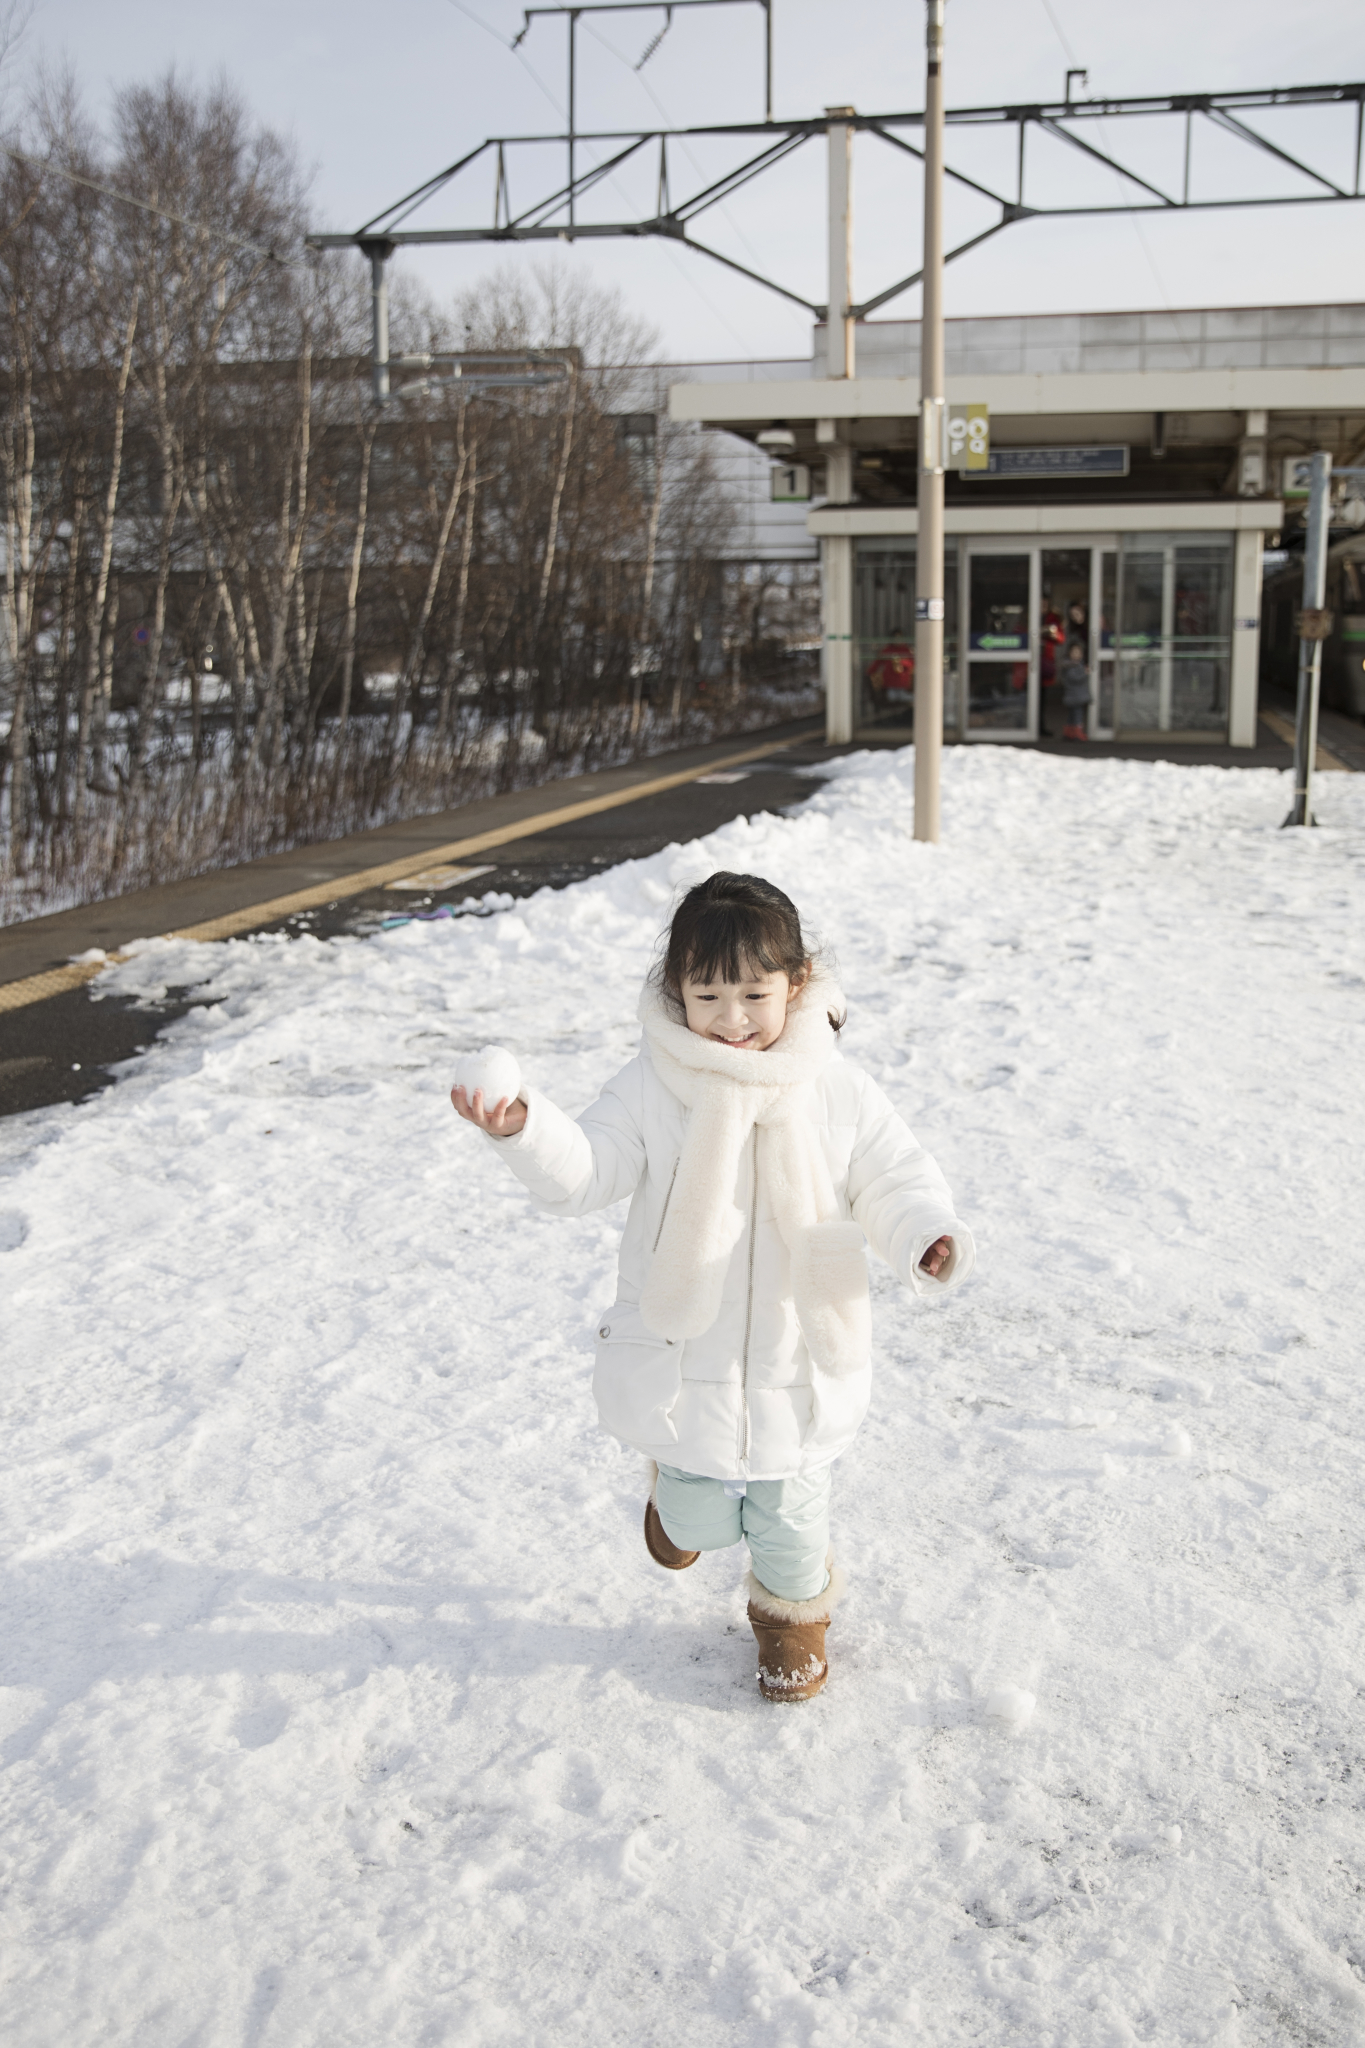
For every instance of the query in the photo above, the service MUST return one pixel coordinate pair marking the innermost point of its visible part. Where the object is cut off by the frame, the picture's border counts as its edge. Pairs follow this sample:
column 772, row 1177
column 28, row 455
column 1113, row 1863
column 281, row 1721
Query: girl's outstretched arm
column 571, row 1167
column 902, row 1201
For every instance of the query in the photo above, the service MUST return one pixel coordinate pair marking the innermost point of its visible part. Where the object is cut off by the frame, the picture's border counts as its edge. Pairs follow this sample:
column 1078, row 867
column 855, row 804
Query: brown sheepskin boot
column 791, row 1639
column 658, row 1542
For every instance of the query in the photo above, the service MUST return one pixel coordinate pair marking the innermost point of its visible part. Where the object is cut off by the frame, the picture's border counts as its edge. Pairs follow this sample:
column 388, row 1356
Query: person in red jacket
column 892, row 671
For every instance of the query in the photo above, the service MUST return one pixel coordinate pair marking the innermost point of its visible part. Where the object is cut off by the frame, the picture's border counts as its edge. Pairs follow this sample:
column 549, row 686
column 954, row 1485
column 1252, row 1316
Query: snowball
column 494, row 1070
column 1177, row 1443
column 1011, row 1706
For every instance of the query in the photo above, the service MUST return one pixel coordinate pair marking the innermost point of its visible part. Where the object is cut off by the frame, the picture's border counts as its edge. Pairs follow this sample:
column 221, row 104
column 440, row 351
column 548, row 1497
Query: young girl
column 1075, row 693
column 736, row 1356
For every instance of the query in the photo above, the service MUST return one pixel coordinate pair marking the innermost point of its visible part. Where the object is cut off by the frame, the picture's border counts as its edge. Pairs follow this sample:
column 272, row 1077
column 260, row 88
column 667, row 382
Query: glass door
column 884, row 632
column 1175, row 634
column 1002, row 664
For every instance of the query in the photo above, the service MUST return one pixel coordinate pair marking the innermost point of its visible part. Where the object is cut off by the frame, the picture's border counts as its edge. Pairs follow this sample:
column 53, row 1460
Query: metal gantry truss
column 572, row 13
column 554, row 217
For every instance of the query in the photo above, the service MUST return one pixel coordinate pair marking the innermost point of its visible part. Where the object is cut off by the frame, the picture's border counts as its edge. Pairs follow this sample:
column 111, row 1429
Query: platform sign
column 968, row 431
column 790, row 483
column 1024, row 465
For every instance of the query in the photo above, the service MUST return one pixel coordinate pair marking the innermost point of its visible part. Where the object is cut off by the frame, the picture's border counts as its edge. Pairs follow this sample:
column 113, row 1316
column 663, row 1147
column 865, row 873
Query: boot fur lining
column 797, row 1611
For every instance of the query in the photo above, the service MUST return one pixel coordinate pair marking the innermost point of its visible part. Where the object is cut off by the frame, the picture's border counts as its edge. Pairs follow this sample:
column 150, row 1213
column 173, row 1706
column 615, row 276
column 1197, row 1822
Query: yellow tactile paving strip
column 36, row 988
column 1283, row 728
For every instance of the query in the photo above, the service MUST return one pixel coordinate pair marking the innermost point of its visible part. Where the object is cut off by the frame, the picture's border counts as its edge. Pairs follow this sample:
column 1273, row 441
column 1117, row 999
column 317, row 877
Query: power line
column 1145, row 246
column 1061, row 35
column 499, row 37
column 40, row 163
column 724, row 212
column 682, row 269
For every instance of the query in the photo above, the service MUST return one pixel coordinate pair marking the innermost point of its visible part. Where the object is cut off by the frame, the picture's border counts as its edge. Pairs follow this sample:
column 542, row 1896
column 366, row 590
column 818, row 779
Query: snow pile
column 341, row 1703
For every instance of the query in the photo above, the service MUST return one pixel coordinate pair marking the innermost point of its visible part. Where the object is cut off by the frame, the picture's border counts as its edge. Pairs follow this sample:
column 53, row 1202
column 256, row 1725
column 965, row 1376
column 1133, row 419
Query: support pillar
column 1311, row 627
column 837, row 586
column 836, row 577
column 839, row 321
column 379, row 251
column 1252, row 456
column 1246, row 639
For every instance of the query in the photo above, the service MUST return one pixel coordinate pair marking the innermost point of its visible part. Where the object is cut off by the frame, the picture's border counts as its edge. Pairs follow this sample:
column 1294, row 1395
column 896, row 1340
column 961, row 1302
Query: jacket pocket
column 636, row 1379
column 837, row 1410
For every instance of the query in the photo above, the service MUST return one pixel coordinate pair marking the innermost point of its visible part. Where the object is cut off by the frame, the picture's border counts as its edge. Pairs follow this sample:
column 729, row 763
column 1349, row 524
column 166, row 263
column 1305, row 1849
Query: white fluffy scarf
column 729, row 1092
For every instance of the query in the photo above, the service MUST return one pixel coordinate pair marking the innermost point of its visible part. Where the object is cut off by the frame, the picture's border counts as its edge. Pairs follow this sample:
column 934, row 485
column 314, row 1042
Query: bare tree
column 244, row 607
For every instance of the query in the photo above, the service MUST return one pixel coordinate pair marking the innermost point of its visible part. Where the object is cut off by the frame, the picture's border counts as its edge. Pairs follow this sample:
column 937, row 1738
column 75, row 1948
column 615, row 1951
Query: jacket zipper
column 667, row 1199
column 748, row 1315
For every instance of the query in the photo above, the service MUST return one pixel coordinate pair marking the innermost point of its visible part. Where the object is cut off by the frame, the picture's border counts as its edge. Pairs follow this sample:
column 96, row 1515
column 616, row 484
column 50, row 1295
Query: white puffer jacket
column 744, row 1400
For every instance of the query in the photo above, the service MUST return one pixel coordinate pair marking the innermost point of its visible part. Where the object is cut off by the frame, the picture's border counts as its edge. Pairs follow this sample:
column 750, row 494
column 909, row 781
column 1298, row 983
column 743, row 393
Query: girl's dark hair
column 732, row 924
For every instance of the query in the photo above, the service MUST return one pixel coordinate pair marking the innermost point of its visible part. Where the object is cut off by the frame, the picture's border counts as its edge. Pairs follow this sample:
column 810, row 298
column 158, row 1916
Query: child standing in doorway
column 737, row 1355
column 1075, row 693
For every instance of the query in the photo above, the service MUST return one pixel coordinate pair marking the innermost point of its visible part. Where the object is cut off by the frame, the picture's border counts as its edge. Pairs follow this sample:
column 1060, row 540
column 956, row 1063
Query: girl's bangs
column 733, row 942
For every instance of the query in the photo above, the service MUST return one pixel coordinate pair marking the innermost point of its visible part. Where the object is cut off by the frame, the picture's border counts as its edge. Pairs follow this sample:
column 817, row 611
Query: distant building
column 1141, row 463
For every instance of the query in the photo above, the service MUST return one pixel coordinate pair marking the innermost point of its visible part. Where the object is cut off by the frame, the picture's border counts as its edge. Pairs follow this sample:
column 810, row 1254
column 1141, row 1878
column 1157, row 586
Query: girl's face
column 748, row 1014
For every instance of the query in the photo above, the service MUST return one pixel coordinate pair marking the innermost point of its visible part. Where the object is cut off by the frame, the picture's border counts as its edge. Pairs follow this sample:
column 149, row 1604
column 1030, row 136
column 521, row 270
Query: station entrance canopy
column 1153, row 446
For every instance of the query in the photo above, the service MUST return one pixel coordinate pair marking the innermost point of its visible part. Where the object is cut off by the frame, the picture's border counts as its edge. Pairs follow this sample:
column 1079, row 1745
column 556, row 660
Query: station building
column 1146, row 472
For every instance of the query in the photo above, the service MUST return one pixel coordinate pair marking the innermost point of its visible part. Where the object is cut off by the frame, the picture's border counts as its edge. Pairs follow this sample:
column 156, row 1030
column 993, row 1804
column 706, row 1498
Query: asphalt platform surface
column 67, row 1047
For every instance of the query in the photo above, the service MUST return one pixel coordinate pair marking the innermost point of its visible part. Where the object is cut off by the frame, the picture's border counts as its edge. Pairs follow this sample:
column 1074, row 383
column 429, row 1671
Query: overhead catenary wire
column 1073, row 60
column 682, row 269
column 724, row 212
column 499, row 37
column 1069, row 53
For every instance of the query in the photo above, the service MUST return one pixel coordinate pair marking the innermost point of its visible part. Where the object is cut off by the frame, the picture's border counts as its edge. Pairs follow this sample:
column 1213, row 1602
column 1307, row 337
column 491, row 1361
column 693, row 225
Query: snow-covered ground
column 341, row 1702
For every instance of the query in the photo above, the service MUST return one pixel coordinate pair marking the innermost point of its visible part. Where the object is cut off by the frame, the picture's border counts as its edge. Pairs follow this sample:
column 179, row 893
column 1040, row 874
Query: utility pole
column 929, row 548
column 1314, row 625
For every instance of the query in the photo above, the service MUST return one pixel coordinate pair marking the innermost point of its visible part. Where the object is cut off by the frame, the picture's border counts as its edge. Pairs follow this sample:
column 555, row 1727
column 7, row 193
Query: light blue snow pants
column 784, row 1521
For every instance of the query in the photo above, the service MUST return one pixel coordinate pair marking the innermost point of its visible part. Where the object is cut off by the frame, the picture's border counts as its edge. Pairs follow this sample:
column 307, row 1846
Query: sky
column 376, row 100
